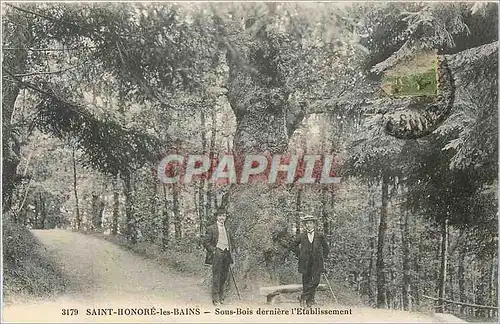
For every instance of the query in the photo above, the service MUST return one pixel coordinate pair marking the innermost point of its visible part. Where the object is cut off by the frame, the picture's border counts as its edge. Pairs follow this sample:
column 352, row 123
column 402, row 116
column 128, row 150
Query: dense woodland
column 94, row 95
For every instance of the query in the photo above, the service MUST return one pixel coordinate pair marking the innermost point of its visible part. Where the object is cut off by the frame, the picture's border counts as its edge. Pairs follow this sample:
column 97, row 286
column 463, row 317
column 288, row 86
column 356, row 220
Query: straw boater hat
column 308, row 218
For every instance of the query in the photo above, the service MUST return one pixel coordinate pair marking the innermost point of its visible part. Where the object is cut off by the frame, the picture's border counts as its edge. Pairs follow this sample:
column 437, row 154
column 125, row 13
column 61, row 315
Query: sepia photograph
column 225, row 161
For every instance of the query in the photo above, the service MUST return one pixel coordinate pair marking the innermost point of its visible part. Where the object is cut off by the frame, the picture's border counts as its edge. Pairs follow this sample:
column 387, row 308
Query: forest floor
column 104, row 275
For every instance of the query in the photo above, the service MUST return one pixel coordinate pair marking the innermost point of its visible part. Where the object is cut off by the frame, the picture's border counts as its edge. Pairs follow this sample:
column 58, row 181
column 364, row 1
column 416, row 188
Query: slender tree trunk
column 416, row 287
column 165, row 220
column 482, row 290
column 417, row 261
column 382, row 229
column 493, row 286
column 324, row 211
column 95, row 210
column 36, row 213
column 373, row 226
column 324, row 198
column 102, row 205
column 201, row 186
column 116, row 206
column 177, row 212
column 391, row 291
column 405, row 234
column 129, row 209
column 444, row 260
column 152, row 210
column 211, row 154
column 298, row 210
column 200, row 206
column 75, row 190
column 461, row 277
column 43, row 211
column 450, row 286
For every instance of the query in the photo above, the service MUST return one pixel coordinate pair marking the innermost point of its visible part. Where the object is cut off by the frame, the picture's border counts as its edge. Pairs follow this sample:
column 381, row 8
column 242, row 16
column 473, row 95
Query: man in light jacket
column 217, row 242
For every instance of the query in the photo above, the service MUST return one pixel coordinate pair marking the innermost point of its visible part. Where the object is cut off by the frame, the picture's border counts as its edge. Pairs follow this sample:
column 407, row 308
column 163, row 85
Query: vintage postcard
column 285, row 162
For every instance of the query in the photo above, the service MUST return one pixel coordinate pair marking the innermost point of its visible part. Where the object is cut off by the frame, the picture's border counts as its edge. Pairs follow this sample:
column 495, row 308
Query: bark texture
column 18, row 36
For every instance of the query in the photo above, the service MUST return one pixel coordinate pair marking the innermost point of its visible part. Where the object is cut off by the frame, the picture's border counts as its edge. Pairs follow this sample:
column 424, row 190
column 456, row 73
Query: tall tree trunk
column 152, row 210
column 75, row 190
column 391, row 291
column 373, row 226
column 382, row 229
column 373, row 233
column 200, row 206
column 444, row 260
column 492, row 287
column 129, row 209
column 116, row 206
column 298, row 210
column 165, row 220
column 177, row 212
column 15, row 62
column 324, row 211
column 450, row 286
column 95, row 210
column 461, row 276
column 405, row 237
column 100, row 213
column 34, row 222
column 43, row 211
column 417, row 262
column 211, row 154
column 201, row 185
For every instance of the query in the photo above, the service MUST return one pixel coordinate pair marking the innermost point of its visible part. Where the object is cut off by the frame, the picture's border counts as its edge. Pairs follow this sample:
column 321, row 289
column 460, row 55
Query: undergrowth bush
column 27, row 272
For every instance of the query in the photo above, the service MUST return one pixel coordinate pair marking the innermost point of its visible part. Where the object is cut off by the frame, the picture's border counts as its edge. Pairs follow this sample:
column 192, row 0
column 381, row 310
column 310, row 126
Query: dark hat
column 308, row 218
column 221, row 211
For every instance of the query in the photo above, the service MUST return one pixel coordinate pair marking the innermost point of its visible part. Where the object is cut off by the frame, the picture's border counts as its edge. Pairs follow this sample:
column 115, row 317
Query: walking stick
column 329, row 286
column 234, row 281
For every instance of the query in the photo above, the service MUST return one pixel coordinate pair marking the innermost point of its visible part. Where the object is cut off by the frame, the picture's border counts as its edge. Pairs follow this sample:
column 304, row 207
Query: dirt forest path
column 106, row 276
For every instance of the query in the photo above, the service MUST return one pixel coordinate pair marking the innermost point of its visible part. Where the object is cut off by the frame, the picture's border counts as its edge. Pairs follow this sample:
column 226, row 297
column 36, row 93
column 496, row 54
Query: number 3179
column 69, row 311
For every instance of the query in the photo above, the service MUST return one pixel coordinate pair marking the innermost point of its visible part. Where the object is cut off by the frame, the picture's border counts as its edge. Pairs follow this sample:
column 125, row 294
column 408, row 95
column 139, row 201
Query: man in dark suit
column 217, row 242
column 312, row 254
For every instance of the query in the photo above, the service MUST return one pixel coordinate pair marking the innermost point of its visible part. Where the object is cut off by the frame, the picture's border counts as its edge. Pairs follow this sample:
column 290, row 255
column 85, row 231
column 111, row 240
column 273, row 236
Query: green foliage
column 25, row 269
column 107, row 145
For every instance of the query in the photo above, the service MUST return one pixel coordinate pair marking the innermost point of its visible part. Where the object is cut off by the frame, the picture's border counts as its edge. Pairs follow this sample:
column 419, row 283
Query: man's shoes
column 215, row 302
column 222, row 302
column 310, row 303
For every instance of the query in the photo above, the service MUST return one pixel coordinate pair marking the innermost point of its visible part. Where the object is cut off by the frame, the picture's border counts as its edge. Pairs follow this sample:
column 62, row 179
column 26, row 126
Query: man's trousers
column 310, row 281
column 220, row 270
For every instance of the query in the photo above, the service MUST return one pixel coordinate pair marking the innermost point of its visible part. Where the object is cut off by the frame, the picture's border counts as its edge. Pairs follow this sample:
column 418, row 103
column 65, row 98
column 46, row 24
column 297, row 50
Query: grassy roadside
column 28, row 273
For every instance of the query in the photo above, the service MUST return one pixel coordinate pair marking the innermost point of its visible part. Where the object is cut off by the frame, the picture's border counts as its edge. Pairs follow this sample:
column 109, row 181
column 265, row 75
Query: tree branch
column 46, row 49
column 45, row 93
column 45, row 73
column 50, row 18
